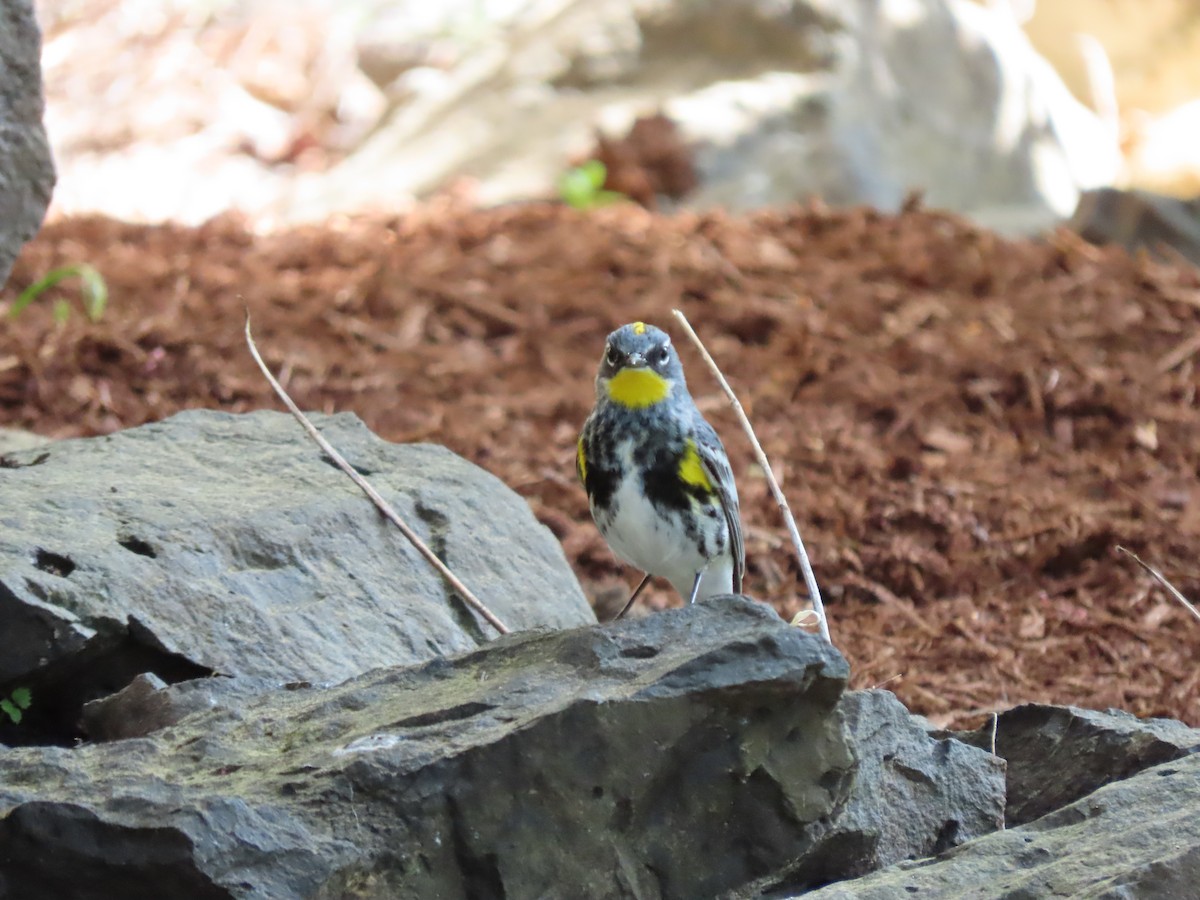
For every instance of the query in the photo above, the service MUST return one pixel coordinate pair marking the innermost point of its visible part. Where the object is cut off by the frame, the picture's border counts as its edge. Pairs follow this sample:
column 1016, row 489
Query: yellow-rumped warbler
column 658, row 481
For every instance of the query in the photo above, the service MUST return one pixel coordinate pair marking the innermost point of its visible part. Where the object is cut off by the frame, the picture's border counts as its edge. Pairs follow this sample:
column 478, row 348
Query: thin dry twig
column 383, row 506
column 1158, row 576
column 810, row 580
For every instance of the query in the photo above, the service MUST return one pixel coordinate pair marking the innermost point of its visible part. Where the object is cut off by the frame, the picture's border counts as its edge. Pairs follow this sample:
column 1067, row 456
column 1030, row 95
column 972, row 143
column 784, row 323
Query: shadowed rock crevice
column 23, row 460
column 104, row 666
column 138, row 546
column 54, row 563
column 438, row 717
column 56, row 851
column 364, row 471
column 480, row 871
column 29, row 630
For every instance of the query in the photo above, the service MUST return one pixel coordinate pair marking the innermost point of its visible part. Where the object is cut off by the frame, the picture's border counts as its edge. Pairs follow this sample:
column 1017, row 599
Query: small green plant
column 15, row 704
column 92, row 289
column 583, row 186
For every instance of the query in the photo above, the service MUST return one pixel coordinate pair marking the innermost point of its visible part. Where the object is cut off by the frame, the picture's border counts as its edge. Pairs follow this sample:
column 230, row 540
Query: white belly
column 640, row 535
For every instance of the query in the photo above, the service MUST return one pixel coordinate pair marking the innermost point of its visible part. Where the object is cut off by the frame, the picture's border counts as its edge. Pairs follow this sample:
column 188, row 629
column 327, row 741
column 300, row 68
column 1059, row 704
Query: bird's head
column 640, row 367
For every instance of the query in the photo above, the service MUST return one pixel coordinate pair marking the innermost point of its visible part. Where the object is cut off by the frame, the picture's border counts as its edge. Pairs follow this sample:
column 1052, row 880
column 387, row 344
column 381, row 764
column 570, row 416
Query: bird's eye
column 612, row 356
column 661, row 355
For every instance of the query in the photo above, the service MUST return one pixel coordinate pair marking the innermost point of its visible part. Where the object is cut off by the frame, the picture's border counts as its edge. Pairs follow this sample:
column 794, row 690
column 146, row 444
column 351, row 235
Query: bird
column 658, row 480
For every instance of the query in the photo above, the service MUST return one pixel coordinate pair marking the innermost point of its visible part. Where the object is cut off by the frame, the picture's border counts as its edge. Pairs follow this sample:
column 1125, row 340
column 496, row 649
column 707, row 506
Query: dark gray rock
column 213, row 542
column 914, row 794
column 675, row 756
column 26, row 166
column 1137, row 838
column 1058, row 754
column 1140, row 220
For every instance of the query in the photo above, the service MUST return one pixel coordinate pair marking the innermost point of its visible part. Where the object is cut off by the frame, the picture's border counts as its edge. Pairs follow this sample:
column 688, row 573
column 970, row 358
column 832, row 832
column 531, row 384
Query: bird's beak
column 635, row 360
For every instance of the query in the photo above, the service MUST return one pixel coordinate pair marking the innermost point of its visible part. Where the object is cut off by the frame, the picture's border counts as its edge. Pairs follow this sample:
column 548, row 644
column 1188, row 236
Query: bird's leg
column 636, row 591
column 696, row 587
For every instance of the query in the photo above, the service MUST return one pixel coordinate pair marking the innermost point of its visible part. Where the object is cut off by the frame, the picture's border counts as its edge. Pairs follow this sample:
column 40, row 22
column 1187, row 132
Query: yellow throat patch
column 638, row 388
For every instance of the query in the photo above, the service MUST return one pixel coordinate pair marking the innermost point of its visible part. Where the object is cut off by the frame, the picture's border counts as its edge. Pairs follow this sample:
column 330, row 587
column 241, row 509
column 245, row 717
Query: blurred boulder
column 944, row 97
column 855, row 102
column 26, row 167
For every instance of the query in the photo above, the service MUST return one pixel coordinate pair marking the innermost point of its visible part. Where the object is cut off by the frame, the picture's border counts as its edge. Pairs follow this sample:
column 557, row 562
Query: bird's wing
column 720, row 473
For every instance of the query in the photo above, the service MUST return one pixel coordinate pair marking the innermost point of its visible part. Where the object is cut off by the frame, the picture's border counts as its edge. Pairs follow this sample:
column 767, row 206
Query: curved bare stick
column 810, row 580
column 1161, row 579
column 384, row 507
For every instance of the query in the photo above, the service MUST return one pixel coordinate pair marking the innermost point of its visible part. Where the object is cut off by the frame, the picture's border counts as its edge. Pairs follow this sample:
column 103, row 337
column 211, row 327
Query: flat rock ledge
column 681, row 755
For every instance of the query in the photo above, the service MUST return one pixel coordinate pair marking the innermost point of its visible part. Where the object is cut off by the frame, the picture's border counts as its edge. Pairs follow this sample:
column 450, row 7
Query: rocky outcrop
column 1136, row 838
column 278, row 699
column 1099, row 804
column 1059, row 754
column 215, row 543
column 27, row 168
column 915, row 794
column 685, row 754
column 678, row 755
column 229, row 679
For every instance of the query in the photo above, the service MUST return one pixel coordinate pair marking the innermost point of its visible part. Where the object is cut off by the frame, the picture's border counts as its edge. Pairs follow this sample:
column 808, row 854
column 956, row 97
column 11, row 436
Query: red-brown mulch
column 966, row 427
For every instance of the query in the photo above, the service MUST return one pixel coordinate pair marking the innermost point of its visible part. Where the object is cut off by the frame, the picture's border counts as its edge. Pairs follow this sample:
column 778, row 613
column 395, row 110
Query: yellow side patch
column 638, row 388
column 691, row 469
column 639, row 327
column 580, row 462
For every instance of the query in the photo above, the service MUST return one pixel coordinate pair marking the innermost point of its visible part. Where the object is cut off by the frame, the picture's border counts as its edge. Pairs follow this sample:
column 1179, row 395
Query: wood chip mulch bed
column 966, row 427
